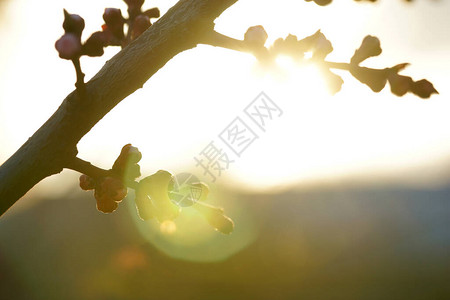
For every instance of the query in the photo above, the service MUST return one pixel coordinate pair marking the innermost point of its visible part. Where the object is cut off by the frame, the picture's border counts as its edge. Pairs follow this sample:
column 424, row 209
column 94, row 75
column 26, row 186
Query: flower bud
column 126, row 164
column 113, row 188
column 114, row 20
column 132, row 153
column 113, row 16
column 106, row 205
column 68, row 46
column 87, row 183
column 141, row 23
column 73, row 23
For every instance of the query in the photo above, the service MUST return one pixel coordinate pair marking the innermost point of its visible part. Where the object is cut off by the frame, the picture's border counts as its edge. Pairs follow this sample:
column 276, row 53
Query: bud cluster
column 69, row 45
column 109, row 191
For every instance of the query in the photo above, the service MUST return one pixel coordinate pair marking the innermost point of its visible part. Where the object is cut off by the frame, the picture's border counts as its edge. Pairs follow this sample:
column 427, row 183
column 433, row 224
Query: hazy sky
column 196, row 95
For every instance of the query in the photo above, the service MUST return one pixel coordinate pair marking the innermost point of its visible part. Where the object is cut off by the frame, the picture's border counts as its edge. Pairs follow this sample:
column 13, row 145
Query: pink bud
column 68, row 46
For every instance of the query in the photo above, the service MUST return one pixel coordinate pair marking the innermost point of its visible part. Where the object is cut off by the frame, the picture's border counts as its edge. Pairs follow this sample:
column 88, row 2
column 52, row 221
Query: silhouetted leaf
column 400, row 84
column 423, row 88
column 374, row 78
column 370, row 46
column 215, row 217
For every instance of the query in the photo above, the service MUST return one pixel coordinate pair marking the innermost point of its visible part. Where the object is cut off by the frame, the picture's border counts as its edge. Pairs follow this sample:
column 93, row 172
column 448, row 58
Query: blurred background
column 342, row 197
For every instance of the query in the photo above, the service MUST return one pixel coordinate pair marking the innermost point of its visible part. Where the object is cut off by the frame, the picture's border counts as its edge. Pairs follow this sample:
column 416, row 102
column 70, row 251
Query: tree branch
column 217, row 39
column 81, row 87
column 53, row 145
column 85, row 167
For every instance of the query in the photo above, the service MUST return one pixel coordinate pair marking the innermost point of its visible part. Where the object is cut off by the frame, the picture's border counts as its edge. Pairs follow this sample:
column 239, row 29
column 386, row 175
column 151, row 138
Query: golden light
column 220, row 82
column 319, row 136
column 190, row 237
column 168, row 227
column 355, row 135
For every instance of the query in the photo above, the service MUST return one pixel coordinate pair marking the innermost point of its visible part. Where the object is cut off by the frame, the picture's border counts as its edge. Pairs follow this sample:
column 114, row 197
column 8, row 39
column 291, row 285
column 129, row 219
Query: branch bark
column 53, row 146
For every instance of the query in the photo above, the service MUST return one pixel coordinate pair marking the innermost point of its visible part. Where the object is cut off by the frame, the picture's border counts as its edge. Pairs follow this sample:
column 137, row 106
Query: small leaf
column 399, row 67
column 423, row 88
column 152, row 12
column 374, row 78
column 95, row 43
column 370, row 46
column 215, row 217
column 400, row 85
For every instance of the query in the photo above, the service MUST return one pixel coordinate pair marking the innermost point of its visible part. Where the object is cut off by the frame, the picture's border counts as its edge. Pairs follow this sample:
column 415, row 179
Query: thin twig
column 217, row 39
column 80, row 85
column 85, row 167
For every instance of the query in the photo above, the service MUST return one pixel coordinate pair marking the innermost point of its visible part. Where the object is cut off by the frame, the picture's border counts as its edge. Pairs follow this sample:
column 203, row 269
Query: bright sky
column 196, row 95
